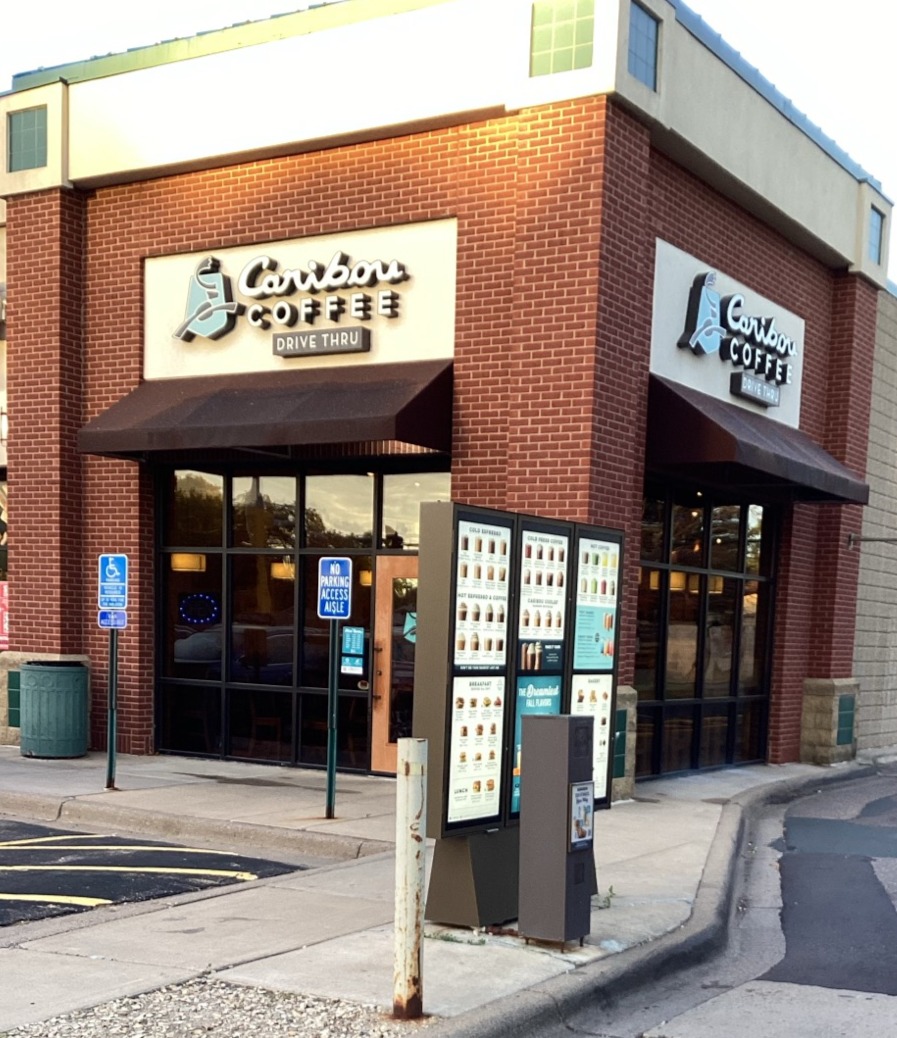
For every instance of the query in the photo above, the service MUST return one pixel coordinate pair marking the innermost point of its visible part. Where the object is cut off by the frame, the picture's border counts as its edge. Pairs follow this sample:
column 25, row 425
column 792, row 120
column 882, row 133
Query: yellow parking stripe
column 156, row 869
column 115, row 847
column 55, row 839
column 61, row 899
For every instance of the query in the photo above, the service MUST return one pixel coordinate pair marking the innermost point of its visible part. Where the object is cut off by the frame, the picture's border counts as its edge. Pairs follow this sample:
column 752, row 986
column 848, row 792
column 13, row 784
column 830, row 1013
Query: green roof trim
column 215, row 41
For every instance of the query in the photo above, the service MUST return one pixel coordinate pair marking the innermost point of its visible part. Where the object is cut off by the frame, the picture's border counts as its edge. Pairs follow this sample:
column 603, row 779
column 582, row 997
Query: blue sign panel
column 117, row 618
column 334, row 588
column 113, row 582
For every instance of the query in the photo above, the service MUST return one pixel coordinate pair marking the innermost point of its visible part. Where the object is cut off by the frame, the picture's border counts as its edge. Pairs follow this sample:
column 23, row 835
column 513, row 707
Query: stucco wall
column 876, row 633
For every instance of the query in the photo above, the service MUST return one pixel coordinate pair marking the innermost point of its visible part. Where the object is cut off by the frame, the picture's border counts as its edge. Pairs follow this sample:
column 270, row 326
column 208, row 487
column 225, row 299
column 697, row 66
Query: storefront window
column 194, row 616
column 703, row 632
column 402, row 497
column 194, row 514
column 719, row 639
column 339, row 511
column 725, row 531
column 264, row 512
column 652, row 528
column 648, row 634
column 262, row 620
column 687, row 541
column 754, row 540
column 682, row 636
column 244, row 658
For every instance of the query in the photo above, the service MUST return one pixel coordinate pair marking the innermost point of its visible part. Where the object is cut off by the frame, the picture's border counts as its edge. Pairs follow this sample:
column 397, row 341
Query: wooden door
column 395, row 635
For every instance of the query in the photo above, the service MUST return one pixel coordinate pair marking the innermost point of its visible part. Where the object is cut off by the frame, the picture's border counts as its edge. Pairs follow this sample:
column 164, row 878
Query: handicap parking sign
column 113, row 582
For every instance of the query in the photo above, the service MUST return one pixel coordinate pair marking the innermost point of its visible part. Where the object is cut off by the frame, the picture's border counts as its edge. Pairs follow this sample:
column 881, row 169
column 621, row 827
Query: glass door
column 395, row 635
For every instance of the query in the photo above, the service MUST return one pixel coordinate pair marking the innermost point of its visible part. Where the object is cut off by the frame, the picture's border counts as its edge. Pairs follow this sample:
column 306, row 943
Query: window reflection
column 402, row 497
column 725, row 529
column 652, row 528
column 682, row 635
column 262, row 621
column 194, row 514
column 687, row 545
column 754, row 539
column 264, row 512
column 339, row 511
column 720, row 636
column 648, row 636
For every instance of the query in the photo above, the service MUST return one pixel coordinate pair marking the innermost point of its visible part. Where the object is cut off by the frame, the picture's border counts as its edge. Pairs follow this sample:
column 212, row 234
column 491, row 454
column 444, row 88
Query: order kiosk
column 557, row 819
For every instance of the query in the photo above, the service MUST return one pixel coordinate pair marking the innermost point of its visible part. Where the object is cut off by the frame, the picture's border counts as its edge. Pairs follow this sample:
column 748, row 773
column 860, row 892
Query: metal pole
column 411, row 860
column 111, row 722
column 332, row 708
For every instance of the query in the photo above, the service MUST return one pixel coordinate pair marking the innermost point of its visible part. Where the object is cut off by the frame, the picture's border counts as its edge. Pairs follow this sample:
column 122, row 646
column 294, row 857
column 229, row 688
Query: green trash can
column 53, row 709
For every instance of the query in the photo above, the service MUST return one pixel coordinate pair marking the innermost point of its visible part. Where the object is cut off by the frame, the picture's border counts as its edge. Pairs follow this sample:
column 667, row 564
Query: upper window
column 27, row 139
column 643, row 46
column 563, row 36
column 876, row 234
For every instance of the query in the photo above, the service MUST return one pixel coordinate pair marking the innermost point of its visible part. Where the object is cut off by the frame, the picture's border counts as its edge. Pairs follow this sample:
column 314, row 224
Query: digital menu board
column 481, row 596
column 475, row 765
column 592, row 695
column 597, row 586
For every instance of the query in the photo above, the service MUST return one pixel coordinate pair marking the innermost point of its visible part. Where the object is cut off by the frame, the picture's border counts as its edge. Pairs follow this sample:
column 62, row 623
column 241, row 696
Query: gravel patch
column 206, row 1006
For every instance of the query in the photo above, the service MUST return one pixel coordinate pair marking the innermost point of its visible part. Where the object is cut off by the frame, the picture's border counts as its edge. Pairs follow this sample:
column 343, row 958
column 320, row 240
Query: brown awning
column 694, row 436
column 410, row 403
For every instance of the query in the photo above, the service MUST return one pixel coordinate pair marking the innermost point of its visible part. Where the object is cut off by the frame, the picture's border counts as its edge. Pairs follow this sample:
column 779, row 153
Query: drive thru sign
column 334, row 588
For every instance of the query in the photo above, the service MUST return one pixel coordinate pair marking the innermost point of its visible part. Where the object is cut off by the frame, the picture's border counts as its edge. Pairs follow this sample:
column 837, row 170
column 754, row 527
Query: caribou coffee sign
column 338, row 292
column 718, row 336
column 750, row 343
column 378, row 296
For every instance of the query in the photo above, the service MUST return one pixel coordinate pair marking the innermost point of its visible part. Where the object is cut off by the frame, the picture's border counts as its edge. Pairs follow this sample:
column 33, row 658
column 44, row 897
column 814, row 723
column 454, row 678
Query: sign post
column 334, row 604
column 112, row 599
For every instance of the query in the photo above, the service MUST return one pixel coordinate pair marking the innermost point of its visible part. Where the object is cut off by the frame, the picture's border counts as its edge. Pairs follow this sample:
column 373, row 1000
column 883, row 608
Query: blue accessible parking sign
column 113, row 582
column 334, row 588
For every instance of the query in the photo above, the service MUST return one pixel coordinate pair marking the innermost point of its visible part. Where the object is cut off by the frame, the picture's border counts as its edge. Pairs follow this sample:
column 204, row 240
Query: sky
column 833, row 61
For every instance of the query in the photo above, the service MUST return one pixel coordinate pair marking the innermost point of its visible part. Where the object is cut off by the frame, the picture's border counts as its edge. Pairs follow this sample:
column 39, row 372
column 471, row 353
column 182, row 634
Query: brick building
column 337, row 279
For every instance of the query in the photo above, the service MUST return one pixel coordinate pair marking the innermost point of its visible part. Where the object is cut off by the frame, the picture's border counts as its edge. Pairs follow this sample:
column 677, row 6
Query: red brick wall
column 45, row 243
column 557, row 210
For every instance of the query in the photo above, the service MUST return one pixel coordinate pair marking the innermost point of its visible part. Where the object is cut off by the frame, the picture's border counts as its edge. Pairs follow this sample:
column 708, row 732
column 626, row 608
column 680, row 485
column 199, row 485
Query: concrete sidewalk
column 664, row 860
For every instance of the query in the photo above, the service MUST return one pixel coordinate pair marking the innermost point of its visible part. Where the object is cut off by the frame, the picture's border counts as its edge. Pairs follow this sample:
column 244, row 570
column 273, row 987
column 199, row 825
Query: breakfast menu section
column 598, row 578
column 475, row 741
column 481, row 596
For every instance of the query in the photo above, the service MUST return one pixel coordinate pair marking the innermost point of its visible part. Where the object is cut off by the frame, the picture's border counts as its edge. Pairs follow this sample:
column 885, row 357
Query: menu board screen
column 593, row 695
column 481, row 596
column 598, row 578
column 542, row 605
column 475, row 739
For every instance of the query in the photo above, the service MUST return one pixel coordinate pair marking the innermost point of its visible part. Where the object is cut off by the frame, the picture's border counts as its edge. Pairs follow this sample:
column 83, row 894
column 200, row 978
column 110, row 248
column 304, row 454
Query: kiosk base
column 474, row 879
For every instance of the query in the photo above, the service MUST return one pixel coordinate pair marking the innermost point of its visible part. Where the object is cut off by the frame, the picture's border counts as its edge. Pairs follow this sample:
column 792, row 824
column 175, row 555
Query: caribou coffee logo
column 282, row 300
column 753, row 345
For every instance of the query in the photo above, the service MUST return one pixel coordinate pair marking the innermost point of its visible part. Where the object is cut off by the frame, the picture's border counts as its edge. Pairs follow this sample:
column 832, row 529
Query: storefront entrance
column 704, row 620
column 243, row 656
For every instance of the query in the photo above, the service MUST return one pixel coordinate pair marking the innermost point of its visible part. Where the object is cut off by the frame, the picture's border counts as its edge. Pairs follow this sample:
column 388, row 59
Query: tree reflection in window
column 195, row 507
column 264, row 513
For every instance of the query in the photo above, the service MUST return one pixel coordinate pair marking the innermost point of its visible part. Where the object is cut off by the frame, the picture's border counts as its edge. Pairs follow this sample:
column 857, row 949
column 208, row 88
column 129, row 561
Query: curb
column 704, row 933
column 240, row 837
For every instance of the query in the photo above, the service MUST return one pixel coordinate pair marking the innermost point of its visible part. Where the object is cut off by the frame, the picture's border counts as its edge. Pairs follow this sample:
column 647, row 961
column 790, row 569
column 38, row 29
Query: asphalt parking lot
column 51, row 872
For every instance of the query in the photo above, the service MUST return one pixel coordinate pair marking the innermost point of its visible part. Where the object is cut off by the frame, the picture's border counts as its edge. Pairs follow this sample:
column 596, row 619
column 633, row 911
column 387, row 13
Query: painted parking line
column 157, row 870
column 57, row 899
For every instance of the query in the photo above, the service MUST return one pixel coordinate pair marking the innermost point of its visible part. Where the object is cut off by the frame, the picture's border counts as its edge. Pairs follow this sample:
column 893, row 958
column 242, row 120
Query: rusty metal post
column 411, row 860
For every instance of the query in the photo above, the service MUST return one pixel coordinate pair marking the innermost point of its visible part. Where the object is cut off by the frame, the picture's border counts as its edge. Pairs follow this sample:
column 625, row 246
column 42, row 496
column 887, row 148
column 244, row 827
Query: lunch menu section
column 535, row 623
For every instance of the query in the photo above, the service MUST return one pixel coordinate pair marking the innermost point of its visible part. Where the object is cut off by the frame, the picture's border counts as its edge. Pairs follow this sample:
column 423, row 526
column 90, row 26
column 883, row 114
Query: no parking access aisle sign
column 334, row 588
